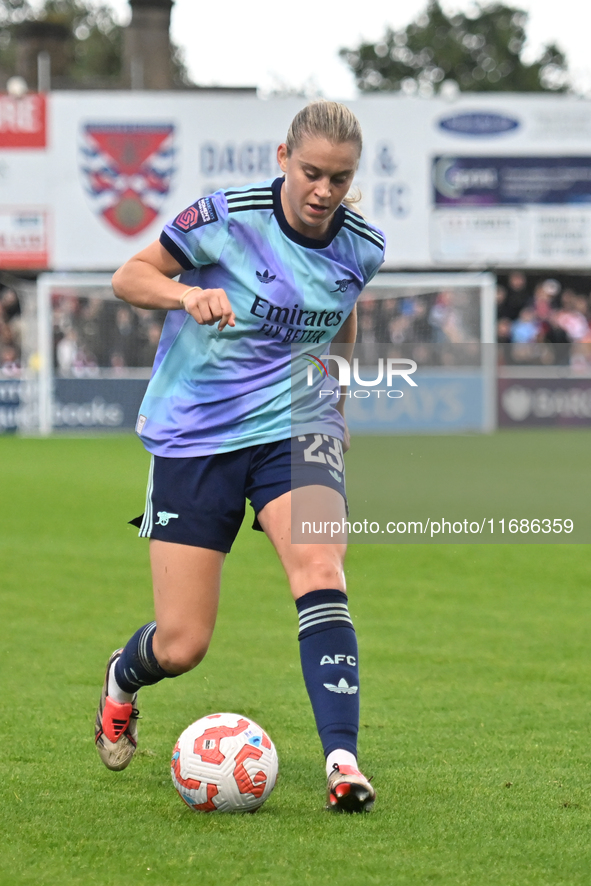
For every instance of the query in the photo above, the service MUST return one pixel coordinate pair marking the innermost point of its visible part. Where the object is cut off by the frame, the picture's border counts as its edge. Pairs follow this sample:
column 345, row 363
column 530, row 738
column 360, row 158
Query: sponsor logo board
column 478, row 124
column 544, row 402
column 23, row 238
column 511, row 181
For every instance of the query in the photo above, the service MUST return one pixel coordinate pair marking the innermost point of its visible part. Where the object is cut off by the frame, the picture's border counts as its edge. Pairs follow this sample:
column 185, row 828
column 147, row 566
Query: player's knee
column 178, row 656
column 318, row 572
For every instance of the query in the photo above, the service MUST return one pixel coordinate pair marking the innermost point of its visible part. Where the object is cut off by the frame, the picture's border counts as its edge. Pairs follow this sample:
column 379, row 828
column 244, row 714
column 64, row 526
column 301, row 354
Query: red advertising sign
column 23, row 121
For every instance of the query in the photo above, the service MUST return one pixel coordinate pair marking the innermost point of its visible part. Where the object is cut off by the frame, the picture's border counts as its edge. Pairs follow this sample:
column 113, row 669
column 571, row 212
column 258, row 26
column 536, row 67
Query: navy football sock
column 328, row 652
column 137, row 665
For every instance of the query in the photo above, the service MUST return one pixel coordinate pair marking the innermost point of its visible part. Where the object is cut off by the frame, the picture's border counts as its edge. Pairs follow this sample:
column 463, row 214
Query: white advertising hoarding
column 481, row 181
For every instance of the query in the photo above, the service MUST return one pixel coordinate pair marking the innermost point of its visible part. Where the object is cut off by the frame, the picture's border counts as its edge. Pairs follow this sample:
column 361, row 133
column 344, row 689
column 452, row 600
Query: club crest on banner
column 127, row 171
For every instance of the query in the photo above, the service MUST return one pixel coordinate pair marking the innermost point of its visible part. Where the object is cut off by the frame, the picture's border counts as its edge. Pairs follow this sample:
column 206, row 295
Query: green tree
column 481, row 51
column 96, row 39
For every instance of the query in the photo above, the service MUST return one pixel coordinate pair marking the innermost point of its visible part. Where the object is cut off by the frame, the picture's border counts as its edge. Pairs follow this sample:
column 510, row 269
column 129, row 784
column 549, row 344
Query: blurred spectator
column 526, row 327
column 124, row 339
column 10, row 305
column 398, row 329
column 446, row 319
column 421, row 330
column 66, row 352
column 10, row 334
column 504, row 330
column 65, row 309
column 118, row 363
column 545, row 294
column 500, row 299
column 572, row 316
column 553, row 333
column 93, row 329
column 366, row 320
column 9, row 362
column 149, row 344
column 440, row 315
column 516, row 297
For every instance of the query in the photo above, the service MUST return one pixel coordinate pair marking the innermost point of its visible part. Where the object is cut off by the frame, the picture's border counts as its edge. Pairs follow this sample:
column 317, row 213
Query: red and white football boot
column 115, row 731
column 349, row 791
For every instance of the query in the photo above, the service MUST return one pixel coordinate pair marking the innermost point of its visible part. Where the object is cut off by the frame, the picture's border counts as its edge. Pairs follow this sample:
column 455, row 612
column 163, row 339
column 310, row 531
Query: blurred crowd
column 427, row 326
column 10, row 334
column 93, row 334
column 541, row 319
column 536, row 312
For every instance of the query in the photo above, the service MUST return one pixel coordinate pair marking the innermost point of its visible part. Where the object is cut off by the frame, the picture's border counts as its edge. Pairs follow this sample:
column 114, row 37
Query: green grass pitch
column 476, row 667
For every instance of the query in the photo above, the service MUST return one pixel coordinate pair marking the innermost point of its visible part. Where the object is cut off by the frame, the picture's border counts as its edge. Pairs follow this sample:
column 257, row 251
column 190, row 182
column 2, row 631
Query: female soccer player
column 262, row 269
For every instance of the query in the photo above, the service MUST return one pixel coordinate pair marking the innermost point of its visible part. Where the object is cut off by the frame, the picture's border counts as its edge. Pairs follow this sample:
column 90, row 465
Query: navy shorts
column 200, row 501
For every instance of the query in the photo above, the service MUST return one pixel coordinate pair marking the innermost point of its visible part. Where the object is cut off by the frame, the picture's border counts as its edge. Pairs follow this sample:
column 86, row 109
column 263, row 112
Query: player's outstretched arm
column 145, row 281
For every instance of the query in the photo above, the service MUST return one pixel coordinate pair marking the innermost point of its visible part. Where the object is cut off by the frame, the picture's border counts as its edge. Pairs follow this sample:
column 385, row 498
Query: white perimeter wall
column 225, row 141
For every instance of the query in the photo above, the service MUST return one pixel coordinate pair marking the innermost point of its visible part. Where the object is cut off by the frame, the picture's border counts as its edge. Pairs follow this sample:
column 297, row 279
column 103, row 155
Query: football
column 224, row 763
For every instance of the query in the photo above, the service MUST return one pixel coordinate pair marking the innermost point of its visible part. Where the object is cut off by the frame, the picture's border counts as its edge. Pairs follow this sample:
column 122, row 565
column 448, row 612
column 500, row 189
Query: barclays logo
column 478, row 124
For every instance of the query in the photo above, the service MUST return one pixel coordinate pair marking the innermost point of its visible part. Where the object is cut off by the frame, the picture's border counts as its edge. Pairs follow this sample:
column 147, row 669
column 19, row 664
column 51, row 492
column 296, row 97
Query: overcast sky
column 267, row 43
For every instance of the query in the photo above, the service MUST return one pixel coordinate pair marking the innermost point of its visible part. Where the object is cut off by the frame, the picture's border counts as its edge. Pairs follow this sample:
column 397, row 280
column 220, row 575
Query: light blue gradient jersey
column 214, row 391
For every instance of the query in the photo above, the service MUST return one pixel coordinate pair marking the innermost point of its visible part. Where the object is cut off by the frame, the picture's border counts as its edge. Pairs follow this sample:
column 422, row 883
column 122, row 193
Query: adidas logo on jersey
column 265, row 277
column 342, row 686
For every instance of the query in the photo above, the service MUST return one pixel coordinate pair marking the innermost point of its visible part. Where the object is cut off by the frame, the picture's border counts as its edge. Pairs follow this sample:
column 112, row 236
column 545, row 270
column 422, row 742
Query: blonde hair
column 332, row 121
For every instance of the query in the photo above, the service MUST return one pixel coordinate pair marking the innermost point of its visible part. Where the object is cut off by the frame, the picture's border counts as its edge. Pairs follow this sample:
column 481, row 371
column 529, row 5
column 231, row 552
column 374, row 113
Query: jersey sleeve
column 369, row 244
column 197, row 235
column 375, row 253
column 373, row 270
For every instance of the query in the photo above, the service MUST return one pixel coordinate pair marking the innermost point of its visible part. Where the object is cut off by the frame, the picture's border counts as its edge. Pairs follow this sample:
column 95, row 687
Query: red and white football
column 224, row 763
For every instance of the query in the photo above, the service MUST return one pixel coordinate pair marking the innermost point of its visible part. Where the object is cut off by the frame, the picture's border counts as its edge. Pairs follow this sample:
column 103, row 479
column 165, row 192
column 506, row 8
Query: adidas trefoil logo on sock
column 342, row 686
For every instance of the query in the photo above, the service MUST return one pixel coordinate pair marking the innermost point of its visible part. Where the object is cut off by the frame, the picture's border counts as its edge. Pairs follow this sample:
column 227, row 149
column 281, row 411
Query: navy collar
column 309, row 242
